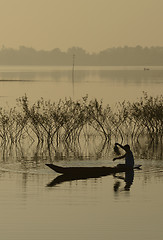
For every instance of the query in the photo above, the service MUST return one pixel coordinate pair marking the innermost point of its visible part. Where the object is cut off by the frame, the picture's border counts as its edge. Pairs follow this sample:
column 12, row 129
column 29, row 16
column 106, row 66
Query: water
column 81, row 209
column 32, row 207
column 111, row 84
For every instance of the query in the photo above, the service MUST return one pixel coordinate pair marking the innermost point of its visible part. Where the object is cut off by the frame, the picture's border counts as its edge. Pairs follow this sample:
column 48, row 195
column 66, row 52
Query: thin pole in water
column 73, row 70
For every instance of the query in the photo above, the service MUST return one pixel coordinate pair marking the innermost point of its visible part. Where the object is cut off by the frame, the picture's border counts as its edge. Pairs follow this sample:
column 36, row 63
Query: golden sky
column 91, row 24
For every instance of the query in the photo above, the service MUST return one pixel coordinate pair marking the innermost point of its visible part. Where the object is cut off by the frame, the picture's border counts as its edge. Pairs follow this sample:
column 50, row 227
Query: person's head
column 127, row 148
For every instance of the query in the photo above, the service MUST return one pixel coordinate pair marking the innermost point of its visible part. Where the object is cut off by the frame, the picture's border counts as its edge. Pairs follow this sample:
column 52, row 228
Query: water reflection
column 112, row 84
column 68, row 178
column 43, row 73
column 33, row 156
column 128, row 179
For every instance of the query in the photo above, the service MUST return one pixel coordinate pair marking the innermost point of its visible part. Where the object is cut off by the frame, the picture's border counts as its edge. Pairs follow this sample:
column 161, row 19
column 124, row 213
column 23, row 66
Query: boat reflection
column 68, row 178
column 128, row 178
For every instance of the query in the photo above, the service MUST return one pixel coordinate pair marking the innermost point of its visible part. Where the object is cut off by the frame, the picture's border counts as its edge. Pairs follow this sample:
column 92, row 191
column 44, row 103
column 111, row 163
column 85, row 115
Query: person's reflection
column 129, row 178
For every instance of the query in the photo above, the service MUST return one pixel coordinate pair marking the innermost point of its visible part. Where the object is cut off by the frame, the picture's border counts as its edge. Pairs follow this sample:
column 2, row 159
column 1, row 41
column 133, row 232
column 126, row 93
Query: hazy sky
column 91, row 24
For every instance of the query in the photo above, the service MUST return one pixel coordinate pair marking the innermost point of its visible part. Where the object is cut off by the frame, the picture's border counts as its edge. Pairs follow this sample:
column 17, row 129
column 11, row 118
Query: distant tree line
column 119, row 56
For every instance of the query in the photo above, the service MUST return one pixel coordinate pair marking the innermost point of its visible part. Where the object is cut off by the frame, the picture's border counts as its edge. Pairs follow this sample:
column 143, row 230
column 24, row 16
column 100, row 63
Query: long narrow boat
column 87, row 171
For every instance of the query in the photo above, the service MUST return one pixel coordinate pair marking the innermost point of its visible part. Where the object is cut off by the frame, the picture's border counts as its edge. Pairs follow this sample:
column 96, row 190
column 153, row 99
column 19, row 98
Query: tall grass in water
column 68, row 121
column 148, row 112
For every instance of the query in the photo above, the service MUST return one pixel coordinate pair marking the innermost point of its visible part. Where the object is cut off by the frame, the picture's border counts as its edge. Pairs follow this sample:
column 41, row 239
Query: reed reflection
column 32, row 155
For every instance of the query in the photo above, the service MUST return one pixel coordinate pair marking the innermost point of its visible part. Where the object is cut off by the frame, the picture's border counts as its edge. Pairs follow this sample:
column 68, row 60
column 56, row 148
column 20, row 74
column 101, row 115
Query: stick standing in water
column 73, row 68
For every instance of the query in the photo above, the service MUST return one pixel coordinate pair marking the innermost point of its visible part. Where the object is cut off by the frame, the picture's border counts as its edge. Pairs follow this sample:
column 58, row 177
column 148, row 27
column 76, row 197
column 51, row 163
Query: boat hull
column 95, row 171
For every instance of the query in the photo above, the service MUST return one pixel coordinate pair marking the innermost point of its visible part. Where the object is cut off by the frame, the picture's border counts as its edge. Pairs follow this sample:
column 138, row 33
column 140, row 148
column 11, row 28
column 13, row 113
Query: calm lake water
column 33, row 207
column 111, row 84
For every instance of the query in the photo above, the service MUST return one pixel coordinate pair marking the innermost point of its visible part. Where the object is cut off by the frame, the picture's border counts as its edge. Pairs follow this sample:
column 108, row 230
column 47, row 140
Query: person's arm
column 119, row 157
column 117, row 144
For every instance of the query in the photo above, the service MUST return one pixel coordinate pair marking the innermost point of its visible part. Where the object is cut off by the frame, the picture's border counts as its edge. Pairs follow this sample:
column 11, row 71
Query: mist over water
column 33, row 206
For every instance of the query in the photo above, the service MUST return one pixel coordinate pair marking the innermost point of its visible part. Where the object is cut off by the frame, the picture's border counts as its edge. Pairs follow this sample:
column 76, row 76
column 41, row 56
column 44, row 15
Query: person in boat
column 129, row 158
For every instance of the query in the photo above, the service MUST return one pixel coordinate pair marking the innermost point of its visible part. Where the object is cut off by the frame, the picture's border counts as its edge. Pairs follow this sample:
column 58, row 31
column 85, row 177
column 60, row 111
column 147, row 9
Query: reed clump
column 148, row 112
column 70, row 121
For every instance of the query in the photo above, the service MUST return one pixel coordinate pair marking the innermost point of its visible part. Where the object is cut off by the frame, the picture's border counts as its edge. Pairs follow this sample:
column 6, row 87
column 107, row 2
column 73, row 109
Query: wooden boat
column 91, row 171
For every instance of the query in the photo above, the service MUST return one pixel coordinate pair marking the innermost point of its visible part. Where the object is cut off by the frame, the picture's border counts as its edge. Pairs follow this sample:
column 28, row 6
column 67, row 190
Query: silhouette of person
column 129, row 158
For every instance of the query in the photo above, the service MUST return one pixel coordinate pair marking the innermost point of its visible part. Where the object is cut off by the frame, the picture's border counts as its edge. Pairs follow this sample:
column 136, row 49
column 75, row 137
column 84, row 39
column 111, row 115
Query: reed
column 70, row 121
column 148, row 113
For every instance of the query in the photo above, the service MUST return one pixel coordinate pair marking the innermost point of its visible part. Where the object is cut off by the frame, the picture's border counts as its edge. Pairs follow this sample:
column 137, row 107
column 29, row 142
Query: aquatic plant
column 69, row 122
column 148, row 112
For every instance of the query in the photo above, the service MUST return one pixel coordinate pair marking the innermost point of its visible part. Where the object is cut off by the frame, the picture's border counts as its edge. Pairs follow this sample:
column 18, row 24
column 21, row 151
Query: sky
column 94, row 25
